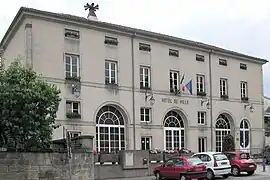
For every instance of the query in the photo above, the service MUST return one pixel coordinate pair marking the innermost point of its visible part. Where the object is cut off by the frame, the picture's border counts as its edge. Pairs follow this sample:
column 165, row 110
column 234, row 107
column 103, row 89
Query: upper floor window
column 110, row 72
column 144, row 47
column 111, row 40
column 174, row 81
column 69, row 33
column 201, row 118
column 145, row 77
column 244, row 90
column 224, row 88
column 145, row 114
column 173, row 52
column 200, row 83
column 73, row 109
column 199, row 58
column 72, row 63
column 243, row 66
column 223, row 62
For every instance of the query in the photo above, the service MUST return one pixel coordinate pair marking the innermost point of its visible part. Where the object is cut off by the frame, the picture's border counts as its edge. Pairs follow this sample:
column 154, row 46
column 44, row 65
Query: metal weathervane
column 92, row 8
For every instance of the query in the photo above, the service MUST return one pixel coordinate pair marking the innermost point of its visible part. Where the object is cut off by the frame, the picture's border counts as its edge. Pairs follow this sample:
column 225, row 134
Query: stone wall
column 49, row 165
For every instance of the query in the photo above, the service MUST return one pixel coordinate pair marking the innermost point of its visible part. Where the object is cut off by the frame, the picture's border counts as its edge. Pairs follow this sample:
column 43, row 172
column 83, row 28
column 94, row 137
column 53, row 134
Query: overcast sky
column 239, row 25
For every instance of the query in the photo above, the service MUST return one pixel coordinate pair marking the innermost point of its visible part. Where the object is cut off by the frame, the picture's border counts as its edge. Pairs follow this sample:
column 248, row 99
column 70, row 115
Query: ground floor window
column 223, row 128
column 146, row 143
column 202, row 144
column 174, row 132
column 244, row 135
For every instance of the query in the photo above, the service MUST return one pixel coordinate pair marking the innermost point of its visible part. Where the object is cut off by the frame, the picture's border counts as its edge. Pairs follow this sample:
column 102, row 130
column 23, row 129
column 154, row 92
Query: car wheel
column 250, row 173
column 225, row 176
column 158, row 176
column 210, row 174
column 235, row 171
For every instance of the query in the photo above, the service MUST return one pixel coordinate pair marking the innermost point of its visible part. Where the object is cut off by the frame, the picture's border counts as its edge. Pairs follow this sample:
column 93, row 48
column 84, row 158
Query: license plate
column 251, row 166
column 199, row 169
column 223, row 163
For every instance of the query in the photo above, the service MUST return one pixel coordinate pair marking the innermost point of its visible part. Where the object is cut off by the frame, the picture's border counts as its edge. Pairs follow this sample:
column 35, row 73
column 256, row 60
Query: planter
column 244, row 99
column 109, row 158
column 156, row 157
column 75, row 79
column 72, row 115
column 224, row 97
column 201, row 93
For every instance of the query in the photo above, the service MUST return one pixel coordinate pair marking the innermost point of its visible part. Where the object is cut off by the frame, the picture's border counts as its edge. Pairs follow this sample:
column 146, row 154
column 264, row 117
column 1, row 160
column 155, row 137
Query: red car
column 241, row 162
column 183, row 168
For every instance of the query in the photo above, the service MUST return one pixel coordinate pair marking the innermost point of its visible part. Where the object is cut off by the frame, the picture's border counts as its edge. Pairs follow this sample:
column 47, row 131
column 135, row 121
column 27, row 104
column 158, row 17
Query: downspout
column 133, row 91
column 211, row 98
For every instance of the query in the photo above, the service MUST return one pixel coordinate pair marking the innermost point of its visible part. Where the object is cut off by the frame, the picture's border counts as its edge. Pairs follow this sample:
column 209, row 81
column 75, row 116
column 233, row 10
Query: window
column 202, row 144
column 173, row 52
column 230, row 156
column 111, row 41
column 145, row 143
column 244, row 93
column 110, row 72
column 179, row 162
column 145, row 77
column 169, row 163
column 200, row 83
column 144, row 47
column 222, row 62
column 174, row 81
column 201, row 118
column 243, row 66
column 199, row 58
column 223, row 87
column 74, row 134
column 145, row 114
column 220, row 157
column 72, row 66
column 73, row 107
column 72, row 34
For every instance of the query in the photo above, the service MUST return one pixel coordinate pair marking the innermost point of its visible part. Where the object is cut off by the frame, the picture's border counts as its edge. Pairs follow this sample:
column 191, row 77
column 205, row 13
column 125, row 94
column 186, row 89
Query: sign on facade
column 174, row 101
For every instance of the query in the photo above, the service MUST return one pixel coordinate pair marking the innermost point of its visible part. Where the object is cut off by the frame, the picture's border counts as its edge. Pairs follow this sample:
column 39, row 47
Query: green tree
column 28, row 107
column 228, row 143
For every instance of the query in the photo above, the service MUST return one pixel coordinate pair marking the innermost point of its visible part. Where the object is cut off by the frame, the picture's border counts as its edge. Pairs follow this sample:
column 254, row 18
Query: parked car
column 217, row 164
column 241, row 162
column 183, row 168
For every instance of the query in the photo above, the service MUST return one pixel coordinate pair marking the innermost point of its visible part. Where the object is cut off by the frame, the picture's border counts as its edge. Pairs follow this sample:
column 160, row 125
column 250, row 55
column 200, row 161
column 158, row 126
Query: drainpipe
column 211, row 98
column 133, row 92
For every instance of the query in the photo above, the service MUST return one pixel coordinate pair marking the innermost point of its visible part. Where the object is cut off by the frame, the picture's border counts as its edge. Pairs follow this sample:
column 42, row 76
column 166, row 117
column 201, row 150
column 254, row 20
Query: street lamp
column 151, row 99
column 208, row 105
column 251, row 108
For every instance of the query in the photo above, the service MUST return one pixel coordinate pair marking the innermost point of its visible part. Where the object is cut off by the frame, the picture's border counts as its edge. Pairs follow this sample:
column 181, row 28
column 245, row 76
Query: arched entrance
column 174, row 131
column 110, row 130
column 223, row 127
column 244, row 135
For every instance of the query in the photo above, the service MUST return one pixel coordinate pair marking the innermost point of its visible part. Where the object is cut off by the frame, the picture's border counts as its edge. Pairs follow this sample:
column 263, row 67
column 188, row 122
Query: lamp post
column 207, row 102
column 151, row 99
column 250, row 105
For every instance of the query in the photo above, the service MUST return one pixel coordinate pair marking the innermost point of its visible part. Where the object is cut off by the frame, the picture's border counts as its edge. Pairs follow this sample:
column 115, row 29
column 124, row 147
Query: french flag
column 188, row 87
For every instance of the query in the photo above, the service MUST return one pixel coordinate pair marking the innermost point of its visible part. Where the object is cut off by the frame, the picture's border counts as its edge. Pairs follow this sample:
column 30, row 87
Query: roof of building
column 125, row 29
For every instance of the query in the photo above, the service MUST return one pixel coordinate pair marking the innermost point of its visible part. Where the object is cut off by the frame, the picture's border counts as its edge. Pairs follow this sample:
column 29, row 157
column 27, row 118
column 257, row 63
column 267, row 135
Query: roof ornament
column 92, row 8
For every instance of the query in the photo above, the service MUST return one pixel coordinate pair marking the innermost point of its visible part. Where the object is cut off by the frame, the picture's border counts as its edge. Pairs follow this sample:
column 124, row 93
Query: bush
column 228, row 143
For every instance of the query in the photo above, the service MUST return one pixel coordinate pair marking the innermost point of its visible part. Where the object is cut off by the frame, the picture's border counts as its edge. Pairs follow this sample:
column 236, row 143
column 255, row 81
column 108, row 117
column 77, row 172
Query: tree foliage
column 28, row 107
column 228, row 143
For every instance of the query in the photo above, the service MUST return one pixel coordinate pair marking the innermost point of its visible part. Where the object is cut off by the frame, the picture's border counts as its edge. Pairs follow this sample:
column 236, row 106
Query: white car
column 217, row 164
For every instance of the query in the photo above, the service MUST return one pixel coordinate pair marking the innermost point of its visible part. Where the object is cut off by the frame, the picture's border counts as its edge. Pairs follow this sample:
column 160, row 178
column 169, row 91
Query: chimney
column 92, row 8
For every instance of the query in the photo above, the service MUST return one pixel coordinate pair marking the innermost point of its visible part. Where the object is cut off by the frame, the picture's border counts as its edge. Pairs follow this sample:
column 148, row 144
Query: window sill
column 245, row 100
column 73, row 79
column 145, row 122
column 146, row 88
column 72, row 39
column 111, row 46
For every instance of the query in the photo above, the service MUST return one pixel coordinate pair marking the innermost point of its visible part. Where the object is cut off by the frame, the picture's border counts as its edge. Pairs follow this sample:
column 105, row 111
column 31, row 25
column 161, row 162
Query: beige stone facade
column 125, row 80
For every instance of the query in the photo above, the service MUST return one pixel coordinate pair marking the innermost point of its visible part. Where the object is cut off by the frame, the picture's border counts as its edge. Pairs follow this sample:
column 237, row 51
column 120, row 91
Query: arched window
column 174, row 131
column 110, row 130
column 223, row 128
column 244, row 135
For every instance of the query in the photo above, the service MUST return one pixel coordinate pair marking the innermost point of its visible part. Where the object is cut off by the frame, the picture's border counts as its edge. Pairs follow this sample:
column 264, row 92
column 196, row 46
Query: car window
column 194, row 161
column 220, row 157
column 230, row 156
column 169, row 163
column 205, row 158
column 244, row 156
column 179, row 162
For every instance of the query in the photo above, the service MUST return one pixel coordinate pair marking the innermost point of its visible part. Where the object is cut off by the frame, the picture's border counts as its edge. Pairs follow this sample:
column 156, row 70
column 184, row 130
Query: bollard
column 264, row 163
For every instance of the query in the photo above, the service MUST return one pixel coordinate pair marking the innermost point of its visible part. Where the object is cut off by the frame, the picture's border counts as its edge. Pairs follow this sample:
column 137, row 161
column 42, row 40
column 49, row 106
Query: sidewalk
column 259, row 170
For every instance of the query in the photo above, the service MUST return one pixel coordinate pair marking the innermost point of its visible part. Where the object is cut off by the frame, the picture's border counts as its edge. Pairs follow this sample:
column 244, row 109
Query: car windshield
column 194, row 161
column 220, row 157
column 244, row 156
